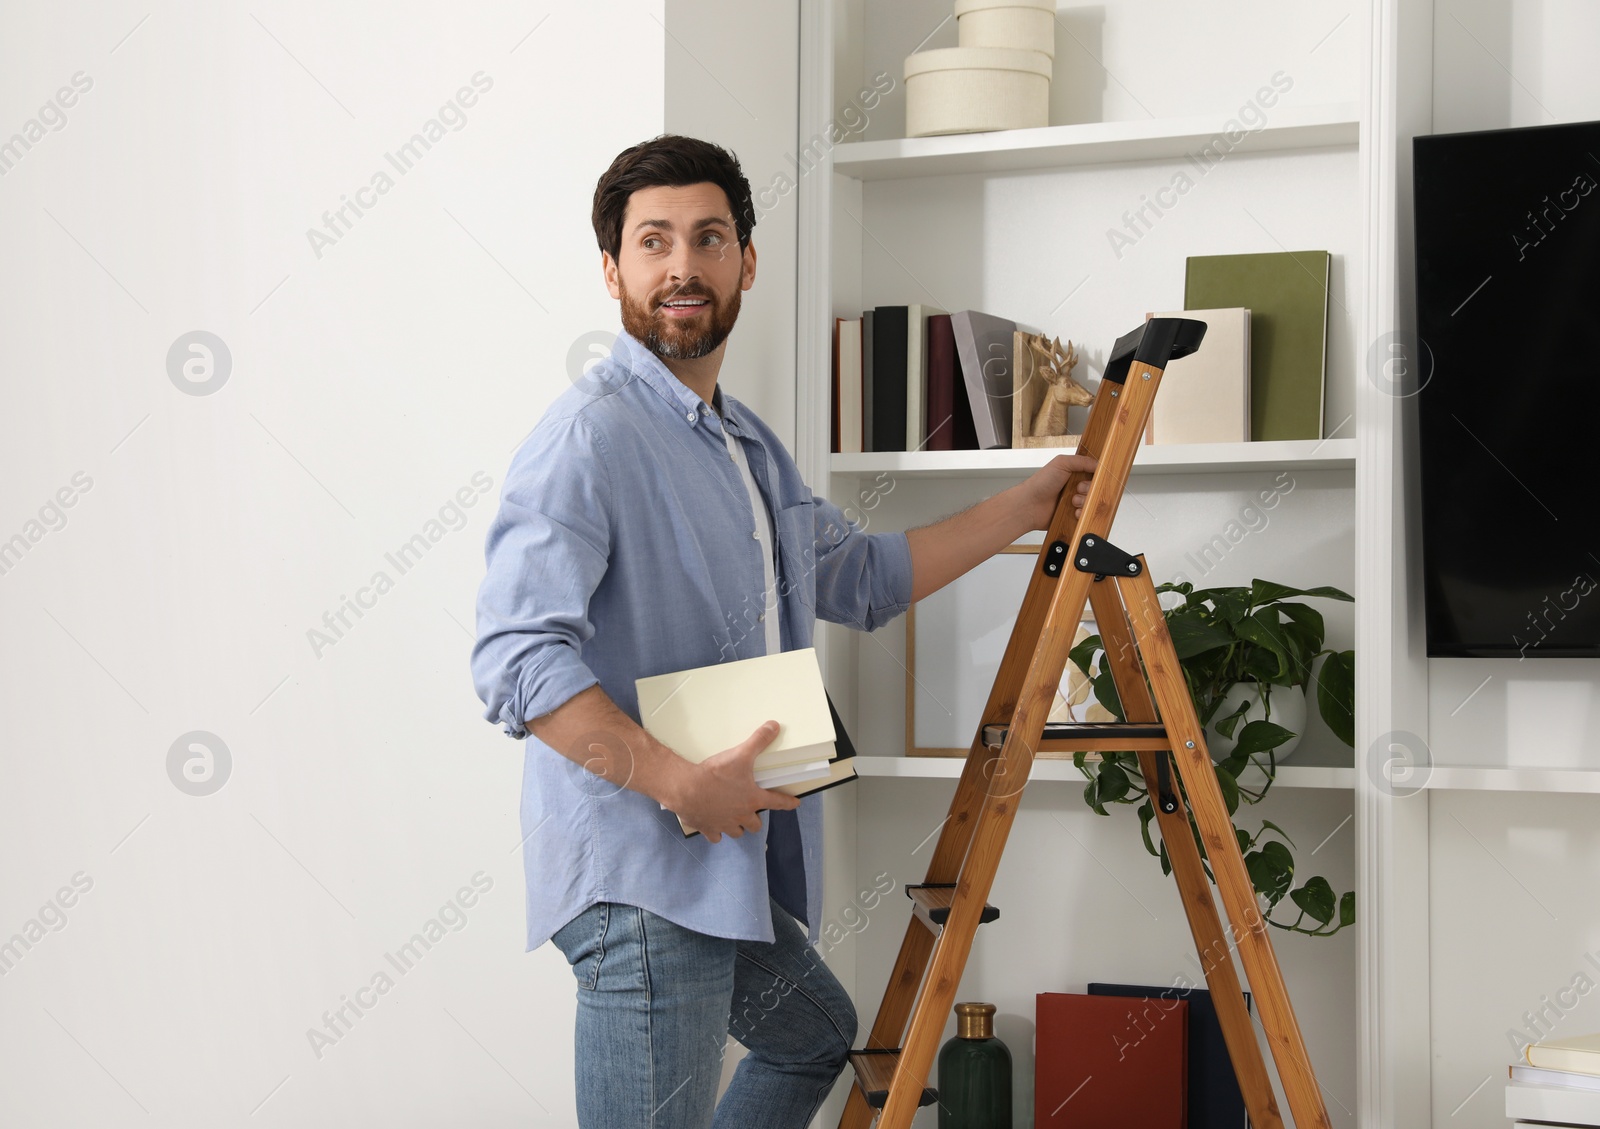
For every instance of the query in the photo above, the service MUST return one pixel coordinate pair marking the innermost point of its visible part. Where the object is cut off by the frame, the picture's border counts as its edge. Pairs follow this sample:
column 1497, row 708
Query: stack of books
column 703, row 711
column 898, row 384
column 1559, row 1084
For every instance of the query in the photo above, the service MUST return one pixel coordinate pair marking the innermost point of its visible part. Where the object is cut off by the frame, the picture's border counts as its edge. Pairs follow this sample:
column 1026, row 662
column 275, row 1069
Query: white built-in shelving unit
column 1019, row 224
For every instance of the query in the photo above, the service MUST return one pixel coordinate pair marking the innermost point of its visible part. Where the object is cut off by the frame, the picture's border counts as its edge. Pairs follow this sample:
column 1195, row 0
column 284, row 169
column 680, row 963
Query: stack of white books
column 1558, row 1085
column 701, row 712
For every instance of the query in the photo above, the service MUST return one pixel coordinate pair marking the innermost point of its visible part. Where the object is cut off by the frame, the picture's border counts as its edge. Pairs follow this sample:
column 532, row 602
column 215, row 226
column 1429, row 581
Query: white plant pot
column 1026, row 25
column 976, row 89
column 1288, row 709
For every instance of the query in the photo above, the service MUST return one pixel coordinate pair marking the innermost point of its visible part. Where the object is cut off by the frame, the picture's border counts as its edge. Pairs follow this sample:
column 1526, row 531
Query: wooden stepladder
column 1078, row 565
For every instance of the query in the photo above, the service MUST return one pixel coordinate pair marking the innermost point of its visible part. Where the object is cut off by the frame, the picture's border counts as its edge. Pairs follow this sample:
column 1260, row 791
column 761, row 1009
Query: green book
column 1287, row 296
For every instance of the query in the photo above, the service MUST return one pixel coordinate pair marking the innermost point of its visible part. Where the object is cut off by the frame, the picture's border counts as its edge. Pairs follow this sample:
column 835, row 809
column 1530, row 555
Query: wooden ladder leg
column 988, row 773
column 916, row 948
column 1248, row 928
column 1199, row 907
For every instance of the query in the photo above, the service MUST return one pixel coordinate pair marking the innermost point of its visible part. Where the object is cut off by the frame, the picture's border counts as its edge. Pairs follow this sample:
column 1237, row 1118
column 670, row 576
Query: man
column 635, row 536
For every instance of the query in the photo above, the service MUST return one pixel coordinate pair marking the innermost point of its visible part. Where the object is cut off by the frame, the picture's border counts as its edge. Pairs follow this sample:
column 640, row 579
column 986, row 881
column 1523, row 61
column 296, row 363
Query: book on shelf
column 917, row 374
column 869, row 386
column 1579, row 1054
column 703, row 711
column 889, row 377
column 949, row 423
column 1095, row 1068
column 1214, row 1098
column 983, row 345
column 1286, row 293
column 1205, row 397
column 833, row 393
column 847, row 385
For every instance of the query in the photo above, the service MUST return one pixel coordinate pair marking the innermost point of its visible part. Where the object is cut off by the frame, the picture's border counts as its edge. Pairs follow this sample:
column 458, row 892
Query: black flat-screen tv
column 1508, row 389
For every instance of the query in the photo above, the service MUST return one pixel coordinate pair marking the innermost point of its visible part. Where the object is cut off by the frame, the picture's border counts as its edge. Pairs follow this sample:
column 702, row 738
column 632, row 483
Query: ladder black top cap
column 1154, row 343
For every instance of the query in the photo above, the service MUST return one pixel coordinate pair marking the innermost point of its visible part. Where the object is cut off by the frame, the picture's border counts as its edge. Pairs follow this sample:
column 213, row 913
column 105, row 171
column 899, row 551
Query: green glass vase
column 974, row 1073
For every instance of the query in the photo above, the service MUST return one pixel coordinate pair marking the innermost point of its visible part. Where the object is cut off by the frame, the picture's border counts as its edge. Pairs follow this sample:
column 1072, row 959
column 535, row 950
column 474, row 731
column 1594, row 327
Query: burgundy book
column 834, row 399
column 1110, row 1062
column 950, row 425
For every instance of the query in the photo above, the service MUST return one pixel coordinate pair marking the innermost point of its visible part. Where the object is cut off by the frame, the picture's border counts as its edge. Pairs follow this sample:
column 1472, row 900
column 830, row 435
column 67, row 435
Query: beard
column 679, row 339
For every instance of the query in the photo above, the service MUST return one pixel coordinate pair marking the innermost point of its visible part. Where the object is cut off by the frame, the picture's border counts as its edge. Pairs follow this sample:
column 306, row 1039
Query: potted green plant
column 1263, row 640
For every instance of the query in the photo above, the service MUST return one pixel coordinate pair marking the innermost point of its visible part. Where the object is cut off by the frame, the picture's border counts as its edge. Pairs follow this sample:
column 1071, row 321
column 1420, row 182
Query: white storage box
column 976, row 89
column 1026, row 25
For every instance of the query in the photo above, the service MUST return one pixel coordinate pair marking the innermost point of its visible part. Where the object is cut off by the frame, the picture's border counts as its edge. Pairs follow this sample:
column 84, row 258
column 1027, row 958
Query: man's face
column 680, row 270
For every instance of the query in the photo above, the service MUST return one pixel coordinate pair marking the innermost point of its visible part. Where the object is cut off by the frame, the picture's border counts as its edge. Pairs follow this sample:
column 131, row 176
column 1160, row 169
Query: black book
column 1215, row 1101
column 866, row 380
column 890, row 326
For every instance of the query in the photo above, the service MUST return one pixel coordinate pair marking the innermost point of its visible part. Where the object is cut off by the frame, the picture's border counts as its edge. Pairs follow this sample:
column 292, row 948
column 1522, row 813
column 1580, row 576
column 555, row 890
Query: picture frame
column 953, row 652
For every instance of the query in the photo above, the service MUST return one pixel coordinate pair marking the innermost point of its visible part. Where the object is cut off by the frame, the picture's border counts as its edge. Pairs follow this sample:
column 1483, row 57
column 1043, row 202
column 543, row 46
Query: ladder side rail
column 1249, row 929
column 1215, row 956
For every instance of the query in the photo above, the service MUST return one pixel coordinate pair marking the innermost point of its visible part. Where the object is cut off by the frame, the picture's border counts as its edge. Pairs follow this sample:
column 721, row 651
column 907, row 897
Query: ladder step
column 932, row 902
column 875, row 1072
column 1091, row 736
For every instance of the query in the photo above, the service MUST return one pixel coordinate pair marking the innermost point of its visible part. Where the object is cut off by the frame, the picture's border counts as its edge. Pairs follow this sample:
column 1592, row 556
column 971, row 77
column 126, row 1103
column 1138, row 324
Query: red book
column 1111, row 1062
column 950, row 426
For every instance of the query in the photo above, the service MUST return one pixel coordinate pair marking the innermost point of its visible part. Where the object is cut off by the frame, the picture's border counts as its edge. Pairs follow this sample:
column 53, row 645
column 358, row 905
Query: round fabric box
column 1025, row 25
column 976, row 89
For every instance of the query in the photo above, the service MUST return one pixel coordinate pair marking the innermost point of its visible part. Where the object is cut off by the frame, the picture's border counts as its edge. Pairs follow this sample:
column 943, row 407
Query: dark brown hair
column 669, row 161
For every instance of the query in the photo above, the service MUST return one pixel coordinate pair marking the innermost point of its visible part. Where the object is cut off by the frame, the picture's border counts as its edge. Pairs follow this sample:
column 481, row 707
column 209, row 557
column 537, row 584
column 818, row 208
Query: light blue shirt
column 627, row 545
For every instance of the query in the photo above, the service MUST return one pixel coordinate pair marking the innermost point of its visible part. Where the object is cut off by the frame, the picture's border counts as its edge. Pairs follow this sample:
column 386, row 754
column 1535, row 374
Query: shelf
column 948, row 768
column 1513, row 779
column 1095, row 143
column 1185, row 458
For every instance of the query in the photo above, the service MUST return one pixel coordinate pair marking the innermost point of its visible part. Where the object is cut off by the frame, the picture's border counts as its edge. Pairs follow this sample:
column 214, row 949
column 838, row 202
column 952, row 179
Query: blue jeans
column 656, row 1003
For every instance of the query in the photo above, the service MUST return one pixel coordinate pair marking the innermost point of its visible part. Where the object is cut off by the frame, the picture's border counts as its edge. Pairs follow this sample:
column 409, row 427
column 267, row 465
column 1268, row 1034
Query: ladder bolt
column 1084, row 561
column 1133, row 568
column 1147, row 376
column 1188, row 744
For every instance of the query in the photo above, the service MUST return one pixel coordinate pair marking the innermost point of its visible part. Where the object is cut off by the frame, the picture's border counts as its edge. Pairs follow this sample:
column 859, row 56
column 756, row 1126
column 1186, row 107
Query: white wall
column 211, row 532
column 1513, row 876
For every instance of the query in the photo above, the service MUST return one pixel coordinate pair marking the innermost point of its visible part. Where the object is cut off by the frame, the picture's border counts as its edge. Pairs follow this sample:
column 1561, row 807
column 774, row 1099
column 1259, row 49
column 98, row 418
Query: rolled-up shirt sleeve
column 863, row 579
column 546, row 552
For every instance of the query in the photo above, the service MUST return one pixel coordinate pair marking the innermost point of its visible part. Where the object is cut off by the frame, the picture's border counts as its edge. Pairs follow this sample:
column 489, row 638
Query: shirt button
column 755, row 533
column 761, row 617
column 689, row 417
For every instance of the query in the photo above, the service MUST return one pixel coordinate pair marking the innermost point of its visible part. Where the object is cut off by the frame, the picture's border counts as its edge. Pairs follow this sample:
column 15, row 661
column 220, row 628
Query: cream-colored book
column 1205, row 397
column 1578, row 1053
column 701, row 712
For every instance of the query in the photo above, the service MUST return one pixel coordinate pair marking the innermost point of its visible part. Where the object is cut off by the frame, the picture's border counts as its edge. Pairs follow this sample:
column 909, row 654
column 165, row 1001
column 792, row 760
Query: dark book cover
column 889, row 327
column 1215, row 1101
column 1096, row 1069
column 834, row 400
column 950, row 426
column 941, row 384
column 868, row 337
